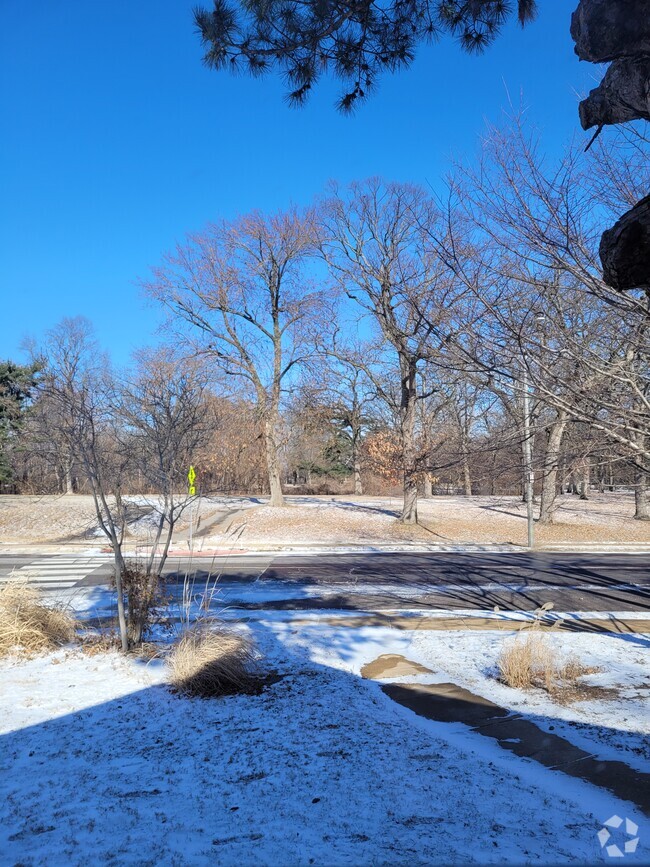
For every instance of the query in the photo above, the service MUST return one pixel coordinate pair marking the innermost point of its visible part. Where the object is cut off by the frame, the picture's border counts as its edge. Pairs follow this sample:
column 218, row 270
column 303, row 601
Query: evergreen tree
column 356, row 40
column 16, row 386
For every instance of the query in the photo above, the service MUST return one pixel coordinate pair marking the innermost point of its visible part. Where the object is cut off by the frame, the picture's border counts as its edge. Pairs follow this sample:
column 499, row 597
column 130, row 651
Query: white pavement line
column 51, row 566
column 54, row 570
column 72, row 570
column 54, row 573
column 416, row 586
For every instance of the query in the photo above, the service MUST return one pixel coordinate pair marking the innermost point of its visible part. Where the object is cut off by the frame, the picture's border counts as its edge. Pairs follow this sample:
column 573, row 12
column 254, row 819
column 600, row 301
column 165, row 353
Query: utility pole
column 529, row 475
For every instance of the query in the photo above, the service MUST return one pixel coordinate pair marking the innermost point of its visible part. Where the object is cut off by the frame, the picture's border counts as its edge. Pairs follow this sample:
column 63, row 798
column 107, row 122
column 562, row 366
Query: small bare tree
column 77, row 380
column 163, row 424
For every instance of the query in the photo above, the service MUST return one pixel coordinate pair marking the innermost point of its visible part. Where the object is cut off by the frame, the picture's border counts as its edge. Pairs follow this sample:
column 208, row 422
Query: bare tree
column 339, row 390
column 77, row 380
column 525, row 240
column 377, row 253
column 242, row 290
column 161, row 412
column 233, row 459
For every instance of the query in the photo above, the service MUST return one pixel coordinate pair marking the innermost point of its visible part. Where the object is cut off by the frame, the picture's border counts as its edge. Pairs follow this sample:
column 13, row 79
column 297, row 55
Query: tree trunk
column 358, row 485
column 493, row 480
column 119, row 566
column 410, row 508
column 68, row 477
column 641, row 499
column 427, row 487
column 273, row 462
column 585, row 481
column 114, row 536
column 551, row 465
column 467, row 478
column 64, row 478
column 356, row 464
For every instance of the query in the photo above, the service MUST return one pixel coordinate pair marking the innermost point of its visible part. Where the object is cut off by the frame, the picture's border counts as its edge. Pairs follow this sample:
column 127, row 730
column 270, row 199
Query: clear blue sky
column 116, row 141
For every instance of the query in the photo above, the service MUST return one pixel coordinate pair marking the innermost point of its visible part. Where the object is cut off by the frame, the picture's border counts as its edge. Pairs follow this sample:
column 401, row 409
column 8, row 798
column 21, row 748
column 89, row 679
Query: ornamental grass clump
column 531, row 662
column 212, row 660
column 29, row 626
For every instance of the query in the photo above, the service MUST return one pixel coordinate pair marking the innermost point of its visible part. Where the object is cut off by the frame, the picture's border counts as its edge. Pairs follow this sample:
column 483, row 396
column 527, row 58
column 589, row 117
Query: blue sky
column 117, row 141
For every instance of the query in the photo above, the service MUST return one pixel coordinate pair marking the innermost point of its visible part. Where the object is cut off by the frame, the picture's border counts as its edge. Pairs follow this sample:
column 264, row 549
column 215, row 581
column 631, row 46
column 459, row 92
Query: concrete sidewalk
column 183, row 549
column 612, row 624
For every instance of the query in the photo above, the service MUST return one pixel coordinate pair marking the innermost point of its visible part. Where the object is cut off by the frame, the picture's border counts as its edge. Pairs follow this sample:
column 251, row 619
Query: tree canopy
column 355, row 40
column 16, row 385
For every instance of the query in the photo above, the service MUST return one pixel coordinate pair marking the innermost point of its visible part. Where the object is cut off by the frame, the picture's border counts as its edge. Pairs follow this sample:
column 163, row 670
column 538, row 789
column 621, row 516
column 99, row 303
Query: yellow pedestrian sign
column 191, row 478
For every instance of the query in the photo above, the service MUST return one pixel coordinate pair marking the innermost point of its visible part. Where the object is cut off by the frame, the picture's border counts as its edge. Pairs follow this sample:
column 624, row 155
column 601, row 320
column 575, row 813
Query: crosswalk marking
column 56, row 573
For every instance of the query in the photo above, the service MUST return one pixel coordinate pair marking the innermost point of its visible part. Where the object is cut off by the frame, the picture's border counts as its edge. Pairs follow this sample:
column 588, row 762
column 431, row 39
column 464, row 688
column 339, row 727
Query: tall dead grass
column 532, row 662
column 213, row 660
column 27, row 625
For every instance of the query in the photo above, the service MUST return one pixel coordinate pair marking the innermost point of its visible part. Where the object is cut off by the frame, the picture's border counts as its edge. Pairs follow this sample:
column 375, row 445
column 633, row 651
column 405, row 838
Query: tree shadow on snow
column 302, row 772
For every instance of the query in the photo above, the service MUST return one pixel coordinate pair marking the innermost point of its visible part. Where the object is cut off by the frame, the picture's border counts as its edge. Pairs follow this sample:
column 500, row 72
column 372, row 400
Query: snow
column 100, row 763
column 448, row 521
column 615, row 728
column 609, row 728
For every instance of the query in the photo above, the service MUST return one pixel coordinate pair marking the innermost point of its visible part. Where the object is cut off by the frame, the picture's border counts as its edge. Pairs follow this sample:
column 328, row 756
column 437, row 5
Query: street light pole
column 529, row 476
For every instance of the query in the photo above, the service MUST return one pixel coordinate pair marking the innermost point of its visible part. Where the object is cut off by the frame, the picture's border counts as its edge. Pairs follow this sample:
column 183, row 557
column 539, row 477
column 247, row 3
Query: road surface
column 513, row 581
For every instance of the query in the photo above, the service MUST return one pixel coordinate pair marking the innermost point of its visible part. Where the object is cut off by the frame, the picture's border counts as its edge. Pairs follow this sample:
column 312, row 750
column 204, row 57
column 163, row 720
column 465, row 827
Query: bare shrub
column 28, row 625
column 144, row 594
column 212, row 661
column 531, row 662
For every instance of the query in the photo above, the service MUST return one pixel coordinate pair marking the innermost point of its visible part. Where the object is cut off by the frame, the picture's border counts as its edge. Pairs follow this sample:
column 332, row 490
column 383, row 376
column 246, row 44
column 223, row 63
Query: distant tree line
column 381, row 340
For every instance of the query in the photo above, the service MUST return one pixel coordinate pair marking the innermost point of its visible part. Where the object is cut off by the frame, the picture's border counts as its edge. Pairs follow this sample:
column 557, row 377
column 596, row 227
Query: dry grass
column 29, row 626
column 213, row 660
column 521, row 661
column 531, row 662
column 94, row 643
column 348, row 519
column 99, row 643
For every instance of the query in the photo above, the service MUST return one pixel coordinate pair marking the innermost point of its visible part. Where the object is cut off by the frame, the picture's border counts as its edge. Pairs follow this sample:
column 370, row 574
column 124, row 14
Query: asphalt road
column 513, row 581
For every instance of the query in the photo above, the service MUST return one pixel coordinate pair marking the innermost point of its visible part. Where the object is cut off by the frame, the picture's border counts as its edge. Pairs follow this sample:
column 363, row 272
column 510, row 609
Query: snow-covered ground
column 100, row 763
column 248, row 522
column 611, row 728
column 443, row 520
